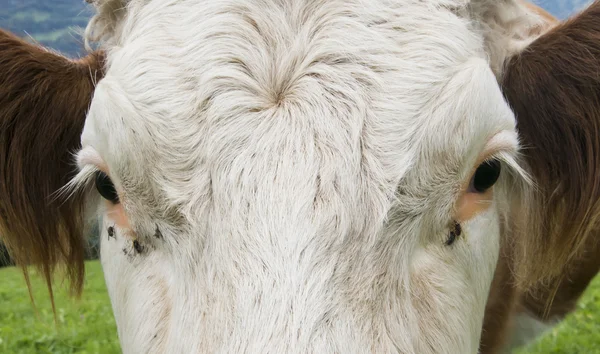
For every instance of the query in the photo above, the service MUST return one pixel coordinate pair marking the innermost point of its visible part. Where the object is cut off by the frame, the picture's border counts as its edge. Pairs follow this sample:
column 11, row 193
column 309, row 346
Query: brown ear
column 43, row 102
column 553, row 87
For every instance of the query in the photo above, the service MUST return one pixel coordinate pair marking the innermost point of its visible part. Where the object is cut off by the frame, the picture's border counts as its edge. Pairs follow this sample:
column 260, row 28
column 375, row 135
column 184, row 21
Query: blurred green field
column 85, row 326
column 88, row 326
column 579, row 333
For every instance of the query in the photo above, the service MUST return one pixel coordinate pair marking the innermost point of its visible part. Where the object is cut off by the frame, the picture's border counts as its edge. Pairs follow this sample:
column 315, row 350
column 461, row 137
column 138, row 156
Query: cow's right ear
column 553, row 86
column 44, row 98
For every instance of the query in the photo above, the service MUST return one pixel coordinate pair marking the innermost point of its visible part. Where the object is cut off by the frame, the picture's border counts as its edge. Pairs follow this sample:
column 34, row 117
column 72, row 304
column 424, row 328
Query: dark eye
column 485, row 176
column 106, row 188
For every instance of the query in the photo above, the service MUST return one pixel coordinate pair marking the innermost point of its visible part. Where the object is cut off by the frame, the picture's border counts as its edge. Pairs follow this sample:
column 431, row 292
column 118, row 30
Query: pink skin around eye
column 116, row 214
column 471, row 204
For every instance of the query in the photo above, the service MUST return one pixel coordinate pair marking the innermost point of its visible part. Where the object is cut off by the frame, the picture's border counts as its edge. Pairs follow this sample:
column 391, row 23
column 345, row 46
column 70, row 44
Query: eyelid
column 501, row 146
column 502, row 143
column 89, row 159
column 89, row 156
column 505, row 141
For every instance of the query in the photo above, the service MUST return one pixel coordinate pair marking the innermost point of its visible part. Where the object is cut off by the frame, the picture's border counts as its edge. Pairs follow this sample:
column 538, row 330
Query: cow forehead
column 319, row 94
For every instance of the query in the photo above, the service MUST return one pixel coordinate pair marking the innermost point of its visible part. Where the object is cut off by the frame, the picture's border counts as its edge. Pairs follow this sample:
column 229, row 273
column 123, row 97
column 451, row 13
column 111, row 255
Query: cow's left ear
column 44, row 98
column 553, row 87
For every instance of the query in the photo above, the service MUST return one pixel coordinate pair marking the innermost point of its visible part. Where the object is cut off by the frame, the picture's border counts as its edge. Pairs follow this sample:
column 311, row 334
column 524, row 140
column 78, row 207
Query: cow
column 311, row 175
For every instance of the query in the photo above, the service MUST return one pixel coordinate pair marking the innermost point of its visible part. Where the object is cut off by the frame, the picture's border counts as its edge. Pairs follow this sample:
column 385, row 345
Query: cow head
column 310, row 176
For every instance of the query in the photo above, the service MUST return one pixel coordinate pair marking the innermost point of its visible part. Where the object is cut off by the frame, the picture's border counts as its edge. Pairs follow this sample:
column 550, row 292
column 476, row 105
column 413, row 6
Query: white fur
column 301, row 159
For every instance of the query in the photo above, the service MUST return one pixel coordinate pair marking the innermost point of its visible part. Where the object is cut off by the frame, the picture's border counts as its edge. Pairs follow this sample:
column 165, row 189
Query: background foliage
column 84, row 327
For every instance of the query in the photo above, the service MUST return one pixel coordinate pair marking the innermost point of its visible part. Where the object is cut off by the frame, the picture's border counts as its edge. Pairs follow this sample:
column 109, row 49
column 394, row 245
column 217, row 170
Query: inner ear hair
column 553, row 86
column 44, row 98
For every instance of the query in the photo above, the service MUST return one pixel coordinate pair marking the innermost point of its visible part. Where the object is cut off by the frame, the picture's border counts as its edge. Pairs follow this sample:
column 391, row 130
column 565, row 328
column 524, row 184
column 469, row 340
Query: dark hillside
column 53, row 23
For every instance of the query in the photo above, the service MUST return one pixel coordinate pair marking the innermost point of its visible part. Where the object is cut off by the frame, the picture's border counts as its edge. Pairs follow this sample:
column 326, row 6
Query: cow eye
column 106, row 188
column 485, row 176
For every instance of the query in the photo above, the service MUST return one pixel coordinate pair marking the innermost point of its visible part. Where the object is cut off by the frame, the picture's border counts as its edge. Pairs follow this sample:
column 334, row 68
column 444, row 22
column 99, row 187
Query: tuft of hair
column 553, row 87
column 44, row 99
column 104, row 25
column 507, row 26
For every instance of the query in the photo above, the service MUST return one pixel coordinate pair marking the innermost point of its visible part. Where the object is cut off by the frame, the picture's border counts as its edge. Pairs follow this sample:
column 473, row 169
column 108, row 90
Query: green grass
column 88, row 326
column 578, row 333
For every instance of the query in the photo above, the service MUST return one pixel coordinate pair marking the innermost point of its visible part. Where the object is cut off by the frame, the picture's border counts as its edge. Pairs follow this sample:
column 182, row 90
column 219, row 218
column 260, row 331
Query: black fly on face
column 454, row 234
column 111, row 231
